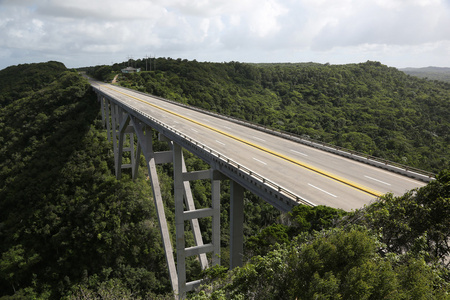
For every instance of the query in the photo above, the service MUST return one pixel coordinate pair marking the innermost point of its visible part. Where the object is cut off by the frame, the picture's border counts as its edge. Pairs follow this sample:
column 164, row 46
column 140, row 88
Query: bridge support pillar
column 105, row 115
column 236, row 225
column 123, row 141
column 102, row 101
column 179, row 221
column 145, row 142
column 114, row 129
column 106, row 119
column 181, row 179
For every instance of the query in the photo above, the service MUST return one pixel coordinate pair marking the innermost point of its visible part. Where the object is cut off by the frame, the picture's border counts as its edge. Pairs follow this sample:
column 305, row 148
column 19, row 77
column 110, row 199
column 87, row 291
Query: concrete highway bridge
column 282, row 169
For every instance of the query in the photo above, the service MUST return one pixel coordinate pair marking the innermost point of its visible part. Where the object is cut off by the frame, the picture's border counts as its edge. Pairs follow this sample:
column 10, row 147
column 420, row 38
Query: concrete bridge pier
column 236, row 225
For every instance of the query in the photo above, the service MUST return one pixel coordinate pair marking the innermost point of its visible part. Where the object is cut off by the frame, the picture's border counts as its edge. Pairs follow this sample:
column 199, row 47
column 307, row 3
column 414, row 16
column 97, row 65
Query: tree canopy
column 64, row 218
column 396, row 248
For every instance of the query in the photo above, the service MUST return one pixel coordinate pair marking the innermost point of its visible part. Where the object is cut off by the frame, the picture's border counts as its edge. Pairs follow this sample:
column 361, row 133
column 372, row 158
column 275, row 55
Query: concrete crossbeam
column 198, row 213
column 191, row 251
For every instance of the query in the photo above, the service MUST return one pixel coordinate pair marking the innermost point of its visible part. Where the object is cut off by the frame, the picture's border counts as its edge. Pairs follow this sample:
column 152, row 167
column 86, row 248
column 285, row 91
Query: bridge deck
column 320, row 177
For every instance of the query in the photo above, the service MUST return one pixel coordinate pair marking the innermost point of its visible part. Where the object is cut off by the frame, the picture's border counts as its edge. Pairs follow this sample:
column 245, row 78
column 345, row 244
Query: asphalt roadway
column 320, row 177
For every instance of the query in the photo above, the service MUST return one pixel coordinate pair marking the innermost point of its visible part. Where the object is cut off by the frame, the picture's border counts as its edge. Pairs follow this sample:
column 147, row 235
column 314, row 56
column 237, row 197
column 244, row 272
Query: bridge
column 284, row 170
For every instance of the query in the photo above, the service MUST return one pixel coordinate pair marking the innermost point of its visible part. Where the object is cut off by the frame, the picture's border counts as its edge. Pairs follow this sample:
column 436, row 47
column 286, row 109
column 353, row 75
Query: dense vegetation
column 18, row 81
column 367, row 107
column 396, row 248
column 69, row 229
column 64, row 219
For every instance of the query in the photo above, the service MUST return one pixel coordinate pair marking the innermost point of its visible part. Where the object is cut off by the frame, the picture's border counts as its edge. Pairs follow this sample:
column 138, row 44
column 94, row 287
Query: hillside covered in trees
column 367, row 107
column 70, row 230
column 66, row 224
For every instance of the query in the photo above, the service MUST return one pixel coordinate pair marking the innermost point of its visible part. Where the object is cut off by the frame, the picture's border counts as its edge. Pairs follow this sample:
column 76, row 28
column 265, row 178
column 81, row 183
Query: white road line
column 299, row 152
column 220, row 142
column 194, row 130
column 377, row 180
column 322, row 190
column 226, row 127
column 402, row 177
column 176, row 122
column 259, row 161
column 258, row 138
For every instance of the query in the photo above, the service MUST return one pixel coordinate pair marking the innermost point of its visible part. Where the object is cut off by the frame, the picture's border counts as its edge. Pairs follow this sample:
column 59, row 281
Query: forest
column 367, row 107
column 70, row 230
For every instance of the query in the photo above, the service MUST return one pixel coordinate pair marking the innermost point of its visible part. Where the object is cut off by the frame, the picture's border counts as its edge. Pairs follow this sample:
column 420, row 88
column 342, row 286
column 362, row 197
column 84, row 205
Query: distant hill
column 432, row 73
column 18, row 81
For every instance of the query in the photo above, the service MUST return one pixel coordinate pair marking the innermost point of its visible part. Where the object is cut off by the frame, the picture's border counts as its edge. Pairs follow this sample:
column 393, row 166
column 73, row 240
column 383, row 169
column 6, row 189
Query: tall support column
column 134, row 156
column 182, row 215
column 108, row 108
column 123, row 127
column 190, row 206
column 179, row 220
column 114, row 121
column 146, row 144
column 215, row 195
column 236, row 225
column 189, row 203
column 102, row 108
column 119, row 115
column 126, row 132
column 135, row 162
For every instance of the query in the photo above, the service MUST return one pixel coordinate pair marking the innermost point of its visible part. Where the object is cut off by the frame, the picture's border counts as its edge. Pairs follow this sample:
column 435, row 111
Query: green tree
column 331, row 264
column 417, row 221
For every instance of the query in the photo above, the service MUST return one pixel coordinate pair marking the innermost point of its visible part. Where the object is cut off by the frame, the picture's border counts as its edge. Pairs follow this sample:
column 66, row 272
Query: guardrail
column 219, row 156
column 355, row 155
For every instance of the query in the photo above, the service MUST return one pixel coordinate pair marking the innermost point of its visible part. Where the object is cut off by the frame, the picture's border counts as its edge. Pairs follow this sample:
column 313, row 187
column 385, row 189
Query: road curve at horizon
column 320, row 177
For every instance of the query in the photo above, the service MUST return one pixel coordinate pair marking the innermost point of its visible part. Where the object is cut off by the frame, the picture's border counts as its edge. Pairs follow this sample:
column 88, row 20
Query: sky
column 79, row 33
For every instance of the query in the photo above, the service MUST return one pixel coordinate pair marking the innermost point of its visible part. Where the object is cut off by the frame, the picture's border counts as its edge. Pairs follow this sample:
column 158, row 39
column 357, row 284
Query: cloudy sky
column 398, row 33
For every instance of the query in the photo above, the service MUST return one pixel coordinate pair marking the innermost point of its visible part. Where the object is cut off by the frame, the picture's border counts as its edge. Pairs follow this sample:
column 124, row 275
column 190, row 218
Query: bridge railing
column 242, row 168
column 219, row 156
column 355, row 155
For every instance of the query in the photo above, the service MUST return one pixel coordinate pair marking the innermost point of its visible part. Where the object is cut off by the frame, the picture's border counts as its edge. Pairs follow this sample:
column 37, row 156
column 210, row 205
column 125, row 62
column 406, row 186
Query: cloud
column 392, row 22
column 82, row 31
column 111, row 10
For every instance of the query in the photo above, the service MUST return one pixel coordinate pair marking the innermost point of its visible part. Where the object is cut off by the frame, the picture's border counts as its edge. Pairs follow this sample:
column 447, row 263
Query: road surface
column 320, row 177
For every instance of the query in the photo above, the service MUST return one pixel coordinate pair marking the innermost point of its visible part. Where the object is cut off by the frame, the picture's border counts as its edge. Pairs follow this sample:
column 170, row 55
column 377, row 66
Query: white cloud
column 392, row 22
column 338, row 31
column 101, row 10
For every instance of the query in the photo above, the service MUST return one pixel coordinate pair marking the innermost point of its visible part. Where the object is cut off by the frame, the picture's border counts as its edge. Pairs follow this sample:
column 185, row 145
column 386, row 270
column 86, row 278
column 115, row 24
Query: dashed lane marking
column 291, row 160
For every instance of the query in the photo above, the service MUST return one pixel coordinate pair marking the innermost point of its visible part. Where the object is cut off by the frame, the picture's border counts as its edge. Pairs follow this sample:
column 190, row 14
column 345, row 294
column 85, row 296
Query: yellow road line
column 299, row 163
